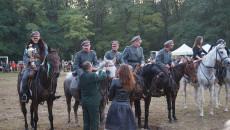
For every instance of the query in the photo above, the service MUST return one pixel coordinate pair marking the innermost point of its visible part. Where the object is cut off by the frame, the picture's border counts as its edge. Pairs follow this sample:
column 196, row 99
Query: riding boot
column 24, row 96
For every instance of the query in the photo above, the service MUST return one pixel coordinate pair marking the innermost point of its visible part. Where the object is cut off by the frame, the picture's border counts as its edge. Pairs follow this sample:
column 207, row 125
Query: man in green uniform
column 114, row 53
column 90, row 95
column 133, row 54
column 86, row 54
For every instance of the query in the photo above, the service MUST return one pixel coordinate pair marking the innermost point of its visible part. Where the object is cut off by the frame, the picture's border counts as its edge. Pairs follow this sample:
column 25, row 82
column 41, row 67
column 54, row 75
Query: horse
column 70, row 83
column 42, row 87
column 153, row 77
column 206, row 75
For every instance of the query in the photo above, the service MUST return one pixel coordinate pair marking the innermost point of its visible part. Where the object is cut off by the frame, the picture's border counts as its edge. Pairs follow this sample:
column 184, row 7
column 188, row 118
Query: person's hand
column 32, row 59
column 94, row 69
column 172, row 65
column 167, row 66
column 36, row 56
column 142, row 65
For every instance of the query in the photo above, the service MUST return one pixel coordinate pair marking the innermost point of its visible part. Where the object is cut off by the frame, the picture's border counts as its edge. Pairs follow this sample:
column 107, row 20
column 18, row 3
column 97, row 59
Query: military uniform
column 90, row 98
column 110, row 55
column 163, row 58
column 29, row 69
column 81, row 57
column 133, row 55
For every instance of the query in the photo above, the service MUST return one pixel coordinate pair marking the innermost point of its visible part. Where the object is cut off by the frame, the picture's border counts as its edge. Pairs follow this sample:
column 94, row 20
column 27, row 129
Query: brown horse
column 43, row 88
column 169, row 83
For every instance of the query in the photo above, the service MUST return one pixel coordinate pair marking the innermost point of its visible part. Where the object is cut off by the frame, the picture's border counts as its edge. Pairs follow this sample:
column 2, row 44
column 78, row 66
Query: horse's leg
column 147, row 103
column 75, row 108
column 32, row 115
column 169, row 103
column 201, row 99
column 217, row 92
column 24, row 111
column 50, row 111
column 212, row 99
column 68, row 102
column 137, row 104
column 174, row 106
column 183, row 85
column 196, row 95
column 226, row 96
column 35, row 105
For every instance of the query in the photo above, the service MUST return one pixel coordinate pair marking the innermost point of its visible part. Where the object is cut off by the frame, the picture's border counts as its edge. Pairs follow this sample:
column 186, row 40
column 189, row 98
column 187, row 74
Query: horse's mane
column 54, row 59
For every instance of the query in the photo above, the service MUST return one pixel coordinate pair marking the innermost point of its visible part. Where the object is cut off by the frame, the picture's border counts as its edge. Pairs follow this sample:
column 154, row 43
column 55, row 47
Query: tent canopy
column 206, row 47
column 183, row 50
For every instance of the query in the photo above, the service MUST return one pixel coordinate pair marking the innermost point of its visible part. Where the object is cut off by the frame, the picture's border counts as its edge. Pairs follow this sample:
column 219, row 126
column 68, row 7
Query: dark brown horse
column 43, row 88
column 153, row 77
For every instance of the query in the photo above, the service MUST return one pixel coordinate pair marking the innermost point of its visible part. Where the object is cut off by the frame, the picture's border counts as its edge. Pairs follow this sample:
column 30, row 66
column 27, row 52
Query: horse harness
column 212, row 67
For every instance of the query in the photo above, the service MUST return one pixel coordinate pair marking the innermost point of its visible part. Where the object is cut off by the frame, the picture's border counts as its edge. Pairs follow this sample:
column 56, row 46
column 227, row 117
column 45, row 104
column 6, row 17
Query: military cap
column 135, row 38
column 35, row 33
column 85, row 43
column 169, row 42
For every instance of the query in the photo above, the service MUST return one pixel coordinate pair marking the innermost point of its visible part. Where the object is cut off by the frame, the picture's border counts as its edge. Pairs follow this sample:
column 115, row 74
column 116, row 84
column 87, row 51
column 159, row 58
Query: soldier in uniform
column 133, row 54
column 114, row 53
column 31, row 61
column 84, row 55
column 164, row 57
column 90, row 95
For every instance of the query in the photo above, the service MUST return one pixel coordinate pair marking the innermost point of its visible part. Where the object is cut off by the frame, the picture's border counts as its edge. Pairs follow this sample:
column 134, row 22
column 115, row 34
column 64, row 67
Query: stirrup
column 24, row 98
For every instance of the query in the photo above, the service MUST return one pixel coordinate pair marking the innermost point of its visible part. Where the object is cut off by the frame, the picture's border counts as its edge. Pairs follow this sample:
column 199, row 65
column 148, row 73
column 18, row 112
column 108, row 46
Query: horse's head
column 51, row 64
column 221, row 53
column 110, row 67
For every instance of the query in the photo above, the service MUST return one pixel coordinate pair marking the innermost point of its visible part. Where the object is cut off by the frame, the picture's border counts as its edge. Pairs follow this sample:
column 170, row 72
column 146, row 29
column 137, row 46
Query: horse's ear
column 49, row 49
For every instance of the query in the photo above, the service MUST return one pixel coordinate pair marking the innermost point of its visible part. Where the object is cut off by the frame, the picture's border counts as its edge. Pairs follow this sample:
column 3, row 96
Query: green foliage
column 65, row 23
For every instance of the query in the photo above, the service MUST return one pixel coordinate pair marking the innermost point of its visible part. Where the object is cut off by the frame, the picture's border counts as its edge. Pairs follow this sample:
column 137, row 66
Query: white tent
column 183, row 50
column 206, row 47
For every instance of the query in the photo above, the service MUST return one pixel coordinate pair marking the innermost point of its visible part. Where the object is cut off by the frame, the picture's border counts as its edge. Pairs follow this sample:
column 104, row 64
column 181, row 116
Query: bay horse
column 71, row 90
column 206, row 74
column 153, row 77
column 42, row 87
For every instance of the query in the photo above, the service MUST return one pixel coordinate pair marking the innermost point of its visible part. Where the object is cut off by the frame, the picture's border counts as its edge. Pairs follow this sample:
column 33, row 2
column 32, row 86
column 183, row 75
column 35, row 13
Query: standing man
column 114, row 53
column 84, row 55
column 164, row 57
column 133, row 54
column 90, row 95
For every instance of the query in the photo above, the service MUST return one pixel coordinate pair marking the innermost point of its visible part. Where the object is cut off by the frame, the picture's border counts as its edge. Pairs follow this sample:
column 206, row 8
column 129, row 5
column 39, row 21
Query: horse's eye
column 221, row 52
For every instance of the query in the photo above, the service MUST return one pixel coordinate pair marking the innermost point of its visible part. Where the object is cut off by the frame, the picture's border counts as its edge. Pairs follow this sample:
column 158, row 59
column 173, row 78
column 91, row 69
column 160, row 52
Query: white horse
column 206, row 75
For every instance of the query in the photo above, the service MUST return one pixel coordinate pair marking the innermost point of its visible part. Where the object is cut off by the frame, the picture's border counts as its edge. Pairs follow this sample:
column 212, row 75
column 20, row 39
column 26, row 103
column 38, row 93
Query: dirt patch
column 11, row 117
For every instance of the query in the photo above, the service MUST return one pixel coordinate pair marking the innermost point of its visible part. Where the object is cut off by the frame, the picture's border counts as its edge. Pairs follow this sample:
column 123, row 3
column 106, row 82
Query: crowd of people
column 11, row 66
column 120, row 115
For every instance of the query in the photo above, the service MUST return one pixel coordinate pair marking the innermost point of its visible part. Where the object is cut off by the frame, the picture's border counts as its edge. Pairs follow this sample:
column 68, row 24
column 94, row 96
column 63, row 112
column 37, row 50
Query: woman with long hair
column 120, row 115
column 197, row 48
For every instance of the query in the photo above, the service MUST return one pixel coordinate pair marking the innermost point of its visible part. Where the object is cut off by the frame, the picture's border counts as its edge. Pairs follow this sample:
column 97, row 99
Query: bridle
column 222, row 59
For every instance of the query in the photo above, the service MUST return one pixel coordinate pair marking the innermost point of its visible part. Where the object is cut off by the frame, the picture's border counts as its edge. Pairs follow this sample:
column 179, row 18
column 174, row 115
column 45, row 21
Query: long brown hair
column 197, row 41
column 126, row 76
column 41, row 45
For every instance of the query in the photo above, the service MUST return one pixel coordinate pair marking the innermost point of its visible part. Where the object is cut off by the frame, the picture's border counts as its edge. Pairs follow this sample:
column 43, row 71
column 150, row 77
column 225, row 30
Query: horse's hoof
column 175, row 119
column 212, row 113
column 26, row 129
column 170, row 121
column 226, row 110
column 201, row 114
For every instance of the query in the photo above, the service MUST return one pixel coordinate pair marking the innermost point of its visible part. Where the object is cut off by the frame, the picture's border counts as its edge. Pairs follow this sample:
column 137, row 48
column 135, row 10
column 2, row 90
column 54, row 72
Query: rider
column 32, row 60
column 84, row 55
column 114, row 53
column 197, row 48
column 164, row 57
column 133, row 54
column 164, row 60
